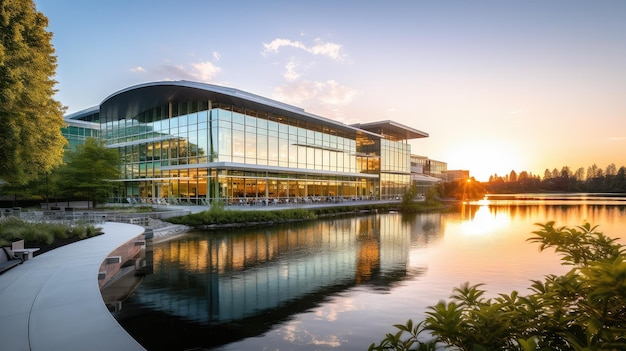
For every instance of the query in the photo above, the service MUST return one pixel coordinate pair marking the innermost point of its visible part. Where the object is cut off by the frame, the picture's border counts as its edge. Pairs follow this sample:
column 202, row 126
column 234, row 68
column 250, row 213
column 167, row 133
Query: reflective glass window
column 238, row 118
column 250, row 147
column 238, row 143
column 224, row 138
column 261, row 147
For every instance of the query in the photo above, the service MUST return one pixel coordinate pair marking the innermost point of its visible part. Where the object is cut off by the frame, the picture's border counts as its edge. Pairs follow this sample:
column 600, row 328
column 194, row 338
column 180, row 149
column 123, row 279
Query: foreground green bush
column 585, row 309
column 12, row 229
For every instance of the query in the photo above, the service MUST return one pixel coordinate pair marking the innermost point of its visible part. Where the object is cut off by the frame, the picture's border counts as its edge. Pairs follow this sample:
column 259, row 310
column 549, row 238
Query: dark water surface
column 340, row 284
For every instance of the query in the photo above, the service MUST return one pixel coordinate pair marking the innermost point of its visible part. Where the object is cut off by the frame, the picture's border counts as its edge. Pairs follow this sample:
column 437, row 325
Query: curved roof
column 129, row 102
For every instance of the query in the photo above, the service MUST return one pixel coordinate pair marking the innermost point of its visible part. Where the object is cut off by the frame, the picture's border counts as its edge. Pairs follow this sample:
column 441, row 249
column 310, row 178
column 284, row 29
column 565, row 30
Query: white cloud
column 337, row 95
column 216, row 55
column 326, row 49
column 329, row 93
column 331, row 50
column 200, row 71
column 290, row 71
column 205, row 71
column 138, row 69
column 176, row 72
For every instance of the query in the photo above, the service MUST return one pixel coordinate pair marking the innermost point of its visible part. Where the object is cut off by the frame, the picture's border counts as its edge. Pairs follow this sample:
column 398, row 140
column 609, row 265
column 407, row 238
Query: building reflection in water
column 213, row 278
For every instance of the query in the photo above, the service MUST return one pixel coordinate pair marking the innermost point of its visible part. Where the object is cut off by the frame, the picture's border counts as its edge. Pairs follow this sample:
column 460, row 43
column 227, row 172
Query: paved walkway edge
column 53, row 301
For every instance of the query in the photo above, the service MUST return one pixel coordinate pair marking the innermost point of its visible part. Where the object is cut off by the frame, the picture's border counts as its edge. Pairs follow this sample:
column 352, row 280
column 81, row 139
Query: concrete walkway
column 53, row 302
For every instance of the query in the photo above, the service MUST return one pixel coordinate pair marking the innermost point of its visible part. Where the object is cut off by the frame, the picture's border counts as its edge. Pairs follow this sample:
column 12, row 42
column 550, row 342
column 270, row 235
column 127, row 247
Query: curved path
column 53, row 301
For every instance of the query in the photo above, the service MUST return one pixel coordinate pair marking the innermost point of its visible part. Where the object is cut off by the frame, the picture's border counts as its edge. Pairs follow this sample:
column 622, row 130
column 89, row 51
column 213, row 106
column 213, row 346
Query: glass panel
column 293, row 155
column 261, row 147
column 203, row 117
column 225, row 144
column 223, row 115
column 238, row 143
column 238, row 118
column 283, row 152
column 250, row 146
column 318, row 159
column 272, row 126
column 272, row 150
column 203, row 139
column 261, row 123
column 250, row 121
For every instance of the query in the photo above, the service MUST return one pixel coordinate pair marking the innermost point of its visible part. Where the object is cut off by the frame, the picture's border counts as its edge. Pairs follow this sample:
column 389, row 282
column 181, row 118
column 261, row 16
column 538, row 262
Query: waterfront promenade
column 53, row 301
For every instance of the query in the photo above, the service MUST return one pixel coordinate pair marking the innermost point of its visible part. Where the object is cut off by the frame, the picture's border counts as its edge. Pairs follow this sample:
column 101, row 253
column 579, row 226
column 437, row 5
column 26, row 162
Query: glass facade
column 77, row 133
column 209, row 144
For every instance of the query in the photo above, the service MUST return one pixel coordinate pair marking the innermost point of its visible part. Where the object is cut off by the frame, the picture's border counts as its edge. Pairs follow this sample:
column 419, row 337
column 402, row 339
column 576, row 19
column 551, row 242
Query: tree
column 584, row 309
column 30, row 138
column 89, row 171
column 580, row 174
column 611, row 170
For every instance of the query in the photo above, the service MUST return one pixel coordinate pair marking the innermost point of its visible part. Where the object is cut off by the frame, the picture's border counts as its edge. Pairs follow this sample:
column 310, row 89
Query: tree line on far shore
column 593, row 179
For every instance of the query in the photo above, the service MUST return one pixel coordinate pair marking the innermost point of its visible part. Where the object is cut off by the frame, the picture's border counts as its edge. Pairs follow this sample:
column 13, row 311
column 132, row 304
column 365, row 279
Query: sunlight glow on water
column 484, row 222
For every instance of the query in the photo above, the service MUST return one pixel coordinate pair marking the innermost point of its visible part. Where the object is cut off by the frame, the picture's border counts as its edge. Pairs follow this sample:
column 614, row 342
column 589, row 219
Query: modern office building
column 191, row 142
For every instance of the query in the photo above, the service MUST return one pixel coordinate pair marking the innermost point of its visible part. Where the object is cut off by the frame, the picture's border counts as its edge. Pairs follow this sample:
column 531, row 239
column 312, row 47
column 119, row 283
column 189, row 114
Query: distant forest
column 593, row 180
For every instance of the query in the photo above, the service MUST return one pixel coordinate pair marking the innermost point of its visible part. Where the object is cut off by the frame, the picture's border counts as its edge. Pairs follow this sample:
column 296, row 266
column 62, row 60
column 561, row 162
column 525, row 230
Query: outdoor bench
column 24, row 253
column 8, row 260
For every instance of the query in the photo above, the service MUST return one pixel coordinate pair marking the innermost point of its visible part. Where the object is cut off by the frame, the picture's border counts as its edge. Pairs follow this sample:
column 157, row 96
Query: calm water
column 339, row 284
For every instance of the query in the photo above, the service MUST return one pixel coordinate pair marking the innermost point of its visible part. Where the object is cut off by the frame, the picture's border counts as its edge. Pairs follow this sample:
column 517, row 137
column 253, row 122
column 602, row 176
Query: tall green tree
column 30, row 119
column 89, row 171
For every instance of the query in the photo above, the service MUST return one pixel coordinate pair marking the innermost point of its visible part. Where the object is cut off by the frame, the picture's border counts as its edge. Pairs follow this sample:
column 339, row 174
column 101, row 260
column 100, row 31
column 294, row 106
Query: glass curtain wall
column 395, row 168
column 181, row 135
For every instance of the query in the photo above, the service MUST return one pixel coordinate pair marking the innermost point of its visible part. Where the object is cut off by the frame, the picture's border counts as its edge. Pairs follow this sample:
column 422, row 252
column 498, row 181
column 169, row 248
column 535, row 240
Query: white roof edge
column 77, row 114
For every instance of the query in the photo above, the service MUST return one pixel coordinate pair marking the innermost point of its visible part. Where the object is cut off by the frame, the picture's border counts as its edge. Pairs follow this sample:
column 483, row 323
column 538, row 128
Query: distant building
column 192, row 143
column 453, row 175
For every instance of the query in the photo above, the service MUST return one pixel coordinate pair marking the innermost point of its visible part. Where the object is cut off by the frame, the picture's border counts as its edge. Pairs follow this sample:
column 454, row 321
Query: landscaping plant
column 584, row 309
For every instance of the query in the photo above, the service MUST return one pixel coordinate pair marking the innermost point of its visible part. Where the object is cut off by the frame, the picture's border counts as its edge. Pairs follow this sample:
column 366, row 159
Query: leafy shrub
column 218, row 215
column 34, row 234
column 78, row 232
column 12, row 229
column 59, row 231
column 585, row 309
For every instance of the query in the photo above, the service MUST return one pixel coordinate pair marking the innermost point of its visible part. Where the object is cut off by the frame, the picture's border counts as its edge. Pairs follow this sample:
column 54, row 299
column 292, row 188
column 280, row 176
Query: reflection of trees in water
column 430, row 229
column 424, row 227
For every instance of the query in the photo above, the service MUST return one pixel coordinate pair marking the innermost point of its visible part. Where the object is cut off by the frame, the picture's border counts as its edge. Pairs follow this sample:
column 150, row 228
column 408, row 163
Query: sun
column 485, row 158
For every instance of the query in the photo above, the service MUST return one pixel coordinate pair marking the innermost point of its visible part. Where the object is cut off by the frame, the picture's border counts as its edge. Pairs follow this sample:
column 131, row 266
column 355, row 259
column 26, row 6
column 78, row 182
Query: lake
column 341, row 283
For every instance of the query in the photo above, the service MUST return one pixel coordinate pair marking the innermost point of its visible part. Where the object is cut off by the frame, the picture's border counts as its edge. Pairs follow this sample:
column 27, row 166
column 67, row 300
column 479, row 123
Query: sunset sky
column 498, row 85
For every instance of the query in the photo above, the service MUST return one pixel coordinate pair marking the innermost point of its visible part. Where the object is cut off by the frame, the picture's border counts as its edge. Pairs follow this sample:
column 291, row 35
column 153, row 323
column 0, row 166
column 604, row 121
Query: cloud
column 290, row 71
column 175, row 72
column 329, row 92
column 331, row 50
column 216, row 55
column 204, row 71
